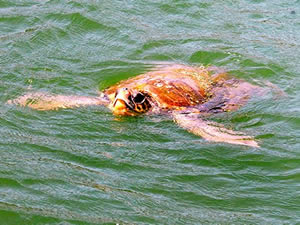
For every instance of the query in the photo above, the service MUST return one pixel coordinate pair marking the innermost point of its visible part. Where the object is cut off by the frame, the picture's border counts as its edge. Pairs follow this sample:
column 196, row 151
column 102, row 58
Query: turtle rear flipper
column 212, row 131
column 44, row 101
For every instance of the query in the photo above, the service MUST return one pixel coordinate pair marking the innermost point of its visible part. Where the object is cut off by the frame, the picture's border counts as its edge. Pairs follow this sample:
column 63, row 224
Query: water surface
column 82, row 166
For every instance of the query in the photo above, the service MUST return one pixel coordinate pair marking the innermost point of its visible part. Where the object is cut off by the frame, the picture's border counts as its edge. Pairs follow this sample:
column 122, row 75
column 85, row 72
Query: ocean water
column 84, row 166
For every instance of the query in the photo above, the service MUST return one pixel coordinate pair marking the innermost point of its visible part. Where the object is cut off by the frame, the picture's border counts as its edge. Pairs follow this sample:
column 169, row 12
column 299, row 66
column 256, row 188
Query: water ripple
column 81, row 166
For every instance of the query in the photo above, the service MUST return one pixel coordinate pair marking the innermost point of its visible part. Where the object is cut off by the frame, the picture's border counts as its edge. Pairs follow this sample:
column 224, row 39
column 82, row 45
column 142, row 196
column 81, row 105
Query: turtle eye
column 139, row 98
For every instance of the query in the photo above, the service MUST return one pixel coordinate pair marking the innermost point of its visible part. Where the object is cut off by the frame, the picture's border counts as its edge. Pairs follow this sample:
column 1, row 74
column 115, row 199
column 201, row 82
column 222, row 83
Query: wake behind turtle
column 188, row 94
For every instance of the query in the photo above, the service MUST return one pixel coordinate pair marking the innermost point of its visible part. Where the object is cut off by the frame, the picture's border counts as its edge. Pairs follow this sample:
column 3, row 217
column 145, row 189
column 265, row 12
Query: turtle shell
column 172, row 87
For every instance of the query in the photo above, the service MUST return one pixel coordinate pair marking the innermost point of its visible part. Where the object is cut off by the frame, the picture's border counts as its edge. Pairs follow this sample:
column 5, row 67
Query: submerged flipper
column 212, row 131
column 44, row 101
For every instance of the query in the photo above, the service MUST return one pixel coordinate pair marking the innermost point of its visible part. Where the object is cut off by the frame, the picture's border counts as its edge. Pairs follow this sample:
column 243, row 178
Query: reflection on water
column 84, row 167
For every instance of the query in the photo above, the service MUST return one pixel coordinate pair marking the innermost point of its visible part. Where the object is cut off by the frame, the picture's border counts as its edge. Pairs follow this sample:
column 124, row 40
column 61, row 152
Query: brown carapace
column 187, row 93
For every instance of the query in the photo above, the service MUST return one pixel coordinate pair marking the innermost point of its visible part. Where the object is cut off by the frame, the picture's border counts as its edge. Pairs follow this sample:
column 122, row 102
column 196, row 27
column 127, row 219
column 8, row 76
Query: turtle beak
column 123, row 100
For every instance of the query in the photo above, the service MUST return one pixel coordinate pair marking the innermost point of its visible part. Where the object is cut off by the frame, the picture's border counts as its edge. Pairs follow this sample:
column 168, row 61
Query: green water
column 82, row 166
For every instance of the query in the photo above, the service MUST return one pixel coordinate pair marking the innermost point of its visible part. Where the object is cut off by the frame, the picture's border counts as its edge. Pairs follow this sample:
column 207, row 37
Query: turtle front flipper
column 212, row 131
column 44, row 101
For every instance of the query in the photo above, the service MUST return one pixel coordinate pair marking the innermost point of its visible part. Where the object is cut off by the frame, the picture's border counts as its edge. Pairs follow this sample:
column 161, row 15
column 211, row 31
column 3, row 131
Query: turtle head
column 130, row 103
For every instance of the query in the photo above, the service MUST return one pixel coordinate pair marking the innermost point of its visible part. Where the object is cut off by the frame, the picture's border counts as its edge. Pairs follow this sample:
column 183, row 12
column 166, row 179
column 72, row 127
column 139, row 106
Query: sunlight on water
column 83, row 166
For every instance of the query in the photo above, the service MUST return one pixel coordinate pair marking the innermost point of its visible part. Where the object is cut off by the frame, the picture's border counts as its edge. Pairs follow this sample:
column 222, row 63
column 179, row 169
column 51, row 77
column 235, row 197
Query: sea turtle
column 187, row 93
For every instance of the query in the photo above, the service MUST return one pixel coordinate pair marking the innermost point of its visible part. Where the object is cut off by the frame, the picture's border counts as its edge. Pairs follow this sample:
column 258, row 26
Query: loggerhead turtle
column 187, row 93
